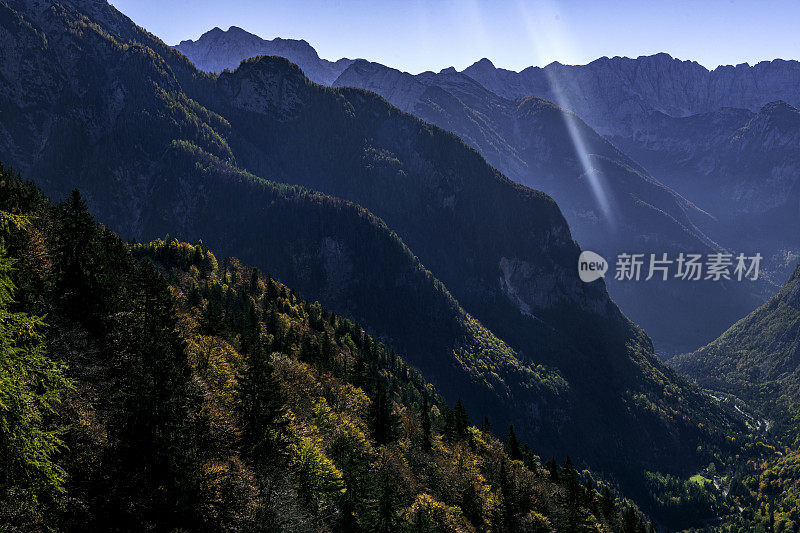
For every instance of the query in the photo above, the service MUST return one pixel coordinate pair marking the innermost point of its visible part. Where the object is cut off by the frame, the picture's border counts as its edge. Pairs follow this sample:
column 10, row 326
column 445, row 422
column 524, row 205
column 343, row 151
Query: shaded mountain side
column 206, row 396
column 757, row 359
column 534, row 141
column 158, row 146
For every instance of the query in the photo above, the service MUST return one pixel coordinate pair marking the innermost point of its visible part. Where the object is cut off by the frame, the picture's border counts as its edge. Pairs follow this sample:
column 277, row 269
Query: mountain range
column 371, row 211
column 613, row 203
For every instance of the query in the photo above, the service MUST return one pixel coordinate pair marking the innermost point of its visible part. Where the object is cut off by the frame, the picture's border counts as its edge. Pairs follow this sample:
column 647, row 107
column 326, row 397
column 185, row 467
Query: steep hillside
column 200, row 395
column 758, row 358
column 757, row 361
column 159, row 147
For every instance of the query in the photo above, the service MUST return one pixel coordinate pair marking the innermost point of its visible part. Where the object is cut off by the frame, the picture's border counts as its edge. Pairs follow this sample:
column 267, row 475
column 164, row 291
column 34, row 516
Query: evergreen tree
column 508, row 495
column 75, row 233
column 512, row 445
column 631, row 523
column 552, row 469
column 213, row 315
column 569, row 478
column 384, row 422
column 260, row 400
column 425, row 414
column 460, row 420
column 157, row 436
column 386, row 513
column 255, row 288
column 607, row 505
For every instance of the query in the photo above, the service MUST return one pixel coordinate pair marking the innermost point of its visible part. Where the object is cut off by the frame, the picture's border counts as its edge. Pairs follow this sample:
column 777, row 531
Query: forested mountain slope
column 758, row 358
column 176, row 391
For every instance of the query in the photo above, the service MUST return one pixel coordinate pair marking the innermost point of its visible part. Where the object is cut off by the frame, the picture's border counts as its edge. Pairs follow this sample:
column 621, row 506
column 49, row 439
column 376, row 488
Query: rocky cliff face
column 217, row 50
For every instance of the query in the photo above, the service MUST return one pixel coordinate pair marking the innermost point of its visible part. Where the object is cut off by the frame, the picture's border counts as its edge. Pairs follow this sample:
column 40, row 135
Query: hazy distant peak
column 217, row 50
column 483, row 64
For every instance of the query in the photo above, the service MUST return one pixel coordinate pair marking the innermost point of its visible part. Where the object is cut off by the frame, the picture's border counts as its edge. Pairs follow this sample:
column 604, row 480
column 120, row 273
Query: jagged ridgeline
column 497, row 314
column 175, row 390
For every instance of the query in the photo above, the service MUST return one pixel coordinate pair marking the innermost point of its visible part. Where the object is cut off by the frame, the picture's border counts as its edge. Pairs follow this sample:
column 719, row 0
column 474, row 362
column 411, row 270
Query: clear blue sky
column 417, row 35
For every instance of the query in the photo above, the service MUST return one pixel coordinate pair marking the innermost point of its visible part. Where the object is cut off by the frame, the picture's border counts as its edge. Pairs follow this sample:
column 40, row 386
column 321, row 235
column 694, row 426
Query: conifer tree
column 425, row 414
column 157, row 436
column 552, row 468
column 607, row 504
column 569, row 478
column 262, row 407
column 77, row 228
column 383, row 418
column 512, row 445
column 460, row 420
column 213, row 315
column 508, row 495
column 255, row 288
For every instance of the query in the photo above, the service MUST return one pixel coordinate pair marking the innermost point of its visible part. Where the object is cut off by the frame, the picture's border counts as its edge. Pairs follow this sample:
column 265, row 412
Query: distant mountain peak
column 217, row 50
column 483, row 63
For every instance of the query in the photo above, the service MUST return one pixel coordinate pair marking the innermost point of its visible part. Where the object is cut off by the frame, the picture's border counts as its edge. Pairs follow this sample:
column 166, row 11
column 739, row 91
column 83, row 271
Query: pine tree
column 75, row 233
column 512, row 445
column 383, row 419
column 262, row 408
column 569, row 478
column 386, row 515
column 272, row 290
column 460, row 420
column 590, row 495
column 552, row 468
column 607, row 505
column 255, row 288
column 213, row 315
column 631, row 523
column 425, row 414
column 508, row 495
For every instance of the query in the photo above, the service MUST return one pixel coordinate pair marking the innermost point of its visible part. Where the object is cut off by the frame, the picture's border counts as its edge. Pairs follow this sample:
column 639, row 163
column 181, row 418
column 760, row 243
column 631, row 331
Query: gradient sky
column 417, row 35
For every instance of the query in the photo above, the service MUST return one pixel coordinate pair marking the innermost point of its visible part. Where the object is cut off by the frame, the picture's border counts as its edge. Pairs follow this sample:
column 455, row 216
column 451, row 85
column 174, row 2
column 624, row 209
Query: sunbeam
column 543, row 29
